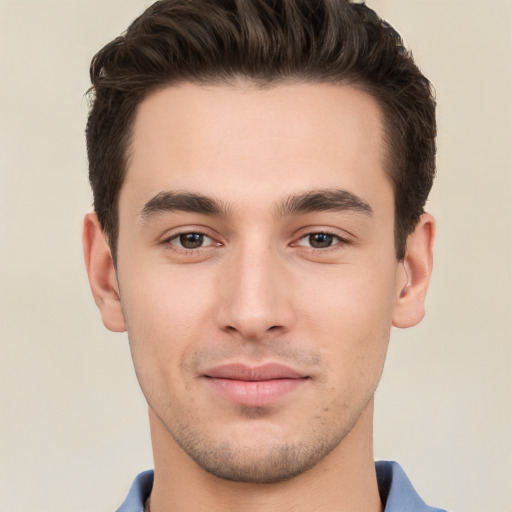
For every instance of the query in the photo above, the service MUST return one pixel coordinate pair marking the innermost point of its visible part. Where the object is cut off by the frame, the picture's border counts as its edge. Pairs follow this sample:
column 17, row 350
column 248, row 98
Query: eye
column 319, row 240
column 191, row 240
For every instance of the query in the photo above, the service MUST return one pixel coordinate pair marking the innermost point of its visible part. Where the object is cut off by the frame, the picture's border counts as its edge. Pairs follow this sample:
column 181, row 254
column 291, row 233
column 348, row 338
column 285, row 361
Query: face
column 257, row 272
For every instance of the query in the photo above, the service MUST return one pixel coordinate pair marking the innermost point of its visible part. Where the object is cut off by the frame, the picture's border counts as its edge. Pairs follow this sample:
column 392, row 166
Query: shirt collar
column 396, row 491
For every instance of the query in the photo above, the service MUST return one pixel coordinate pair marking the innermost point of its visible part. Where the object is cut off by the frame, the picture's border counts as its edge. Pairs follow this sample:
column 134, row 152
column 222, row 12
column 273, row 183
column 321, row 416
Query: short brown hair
column 267, row 42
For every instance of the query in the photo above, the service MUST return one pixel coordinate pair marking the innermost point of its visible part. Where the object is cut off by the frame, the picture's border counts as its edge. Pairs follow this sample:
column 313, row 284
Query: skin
column 316, row 290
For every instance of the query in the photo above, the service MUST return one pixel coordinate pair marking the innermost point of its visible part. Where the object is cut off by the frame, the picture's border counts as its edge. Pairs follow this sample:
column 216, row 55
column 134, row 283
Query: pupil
column 191, row 240
column 320, row 240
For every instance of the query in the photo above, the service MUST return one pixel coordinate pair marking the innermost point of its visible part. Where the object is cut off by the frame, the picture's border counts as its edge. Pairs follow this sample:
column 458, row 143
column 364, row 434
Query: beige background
column 73, row 427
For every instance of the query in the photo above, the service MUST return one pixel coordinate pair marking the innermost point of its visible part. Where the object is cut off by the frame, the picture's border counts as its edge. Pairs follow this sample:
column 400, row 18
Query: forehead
column 225, row 139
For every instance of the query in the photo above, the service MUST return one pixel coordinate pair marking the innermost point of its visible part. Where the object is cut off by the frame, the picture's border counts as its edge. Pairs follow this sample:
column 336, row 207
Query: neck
column 344, row 481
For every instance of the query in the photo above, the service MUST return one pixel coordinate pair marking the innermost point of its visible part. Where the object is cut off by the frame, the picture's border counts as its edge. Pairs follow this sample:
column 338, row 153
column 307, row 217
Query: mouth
column 254, row 386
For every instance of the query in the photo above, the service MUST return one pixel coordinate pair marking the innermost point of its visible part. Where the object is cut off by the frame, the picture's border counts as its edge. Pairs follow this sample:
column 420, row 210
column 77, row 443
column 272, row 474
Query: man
column 260, row 171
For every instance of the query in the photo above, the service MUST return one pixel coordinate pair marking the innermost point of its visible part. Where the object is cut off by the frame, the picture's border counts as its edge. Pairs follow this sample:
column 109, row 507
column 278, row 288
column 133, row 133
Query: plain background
column 73, row 425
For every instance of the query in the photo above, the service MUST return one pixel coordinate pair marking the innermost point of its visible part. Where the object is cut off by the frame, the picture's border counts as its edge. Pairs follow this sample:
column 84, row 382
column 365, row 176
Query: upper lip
column 238, row 371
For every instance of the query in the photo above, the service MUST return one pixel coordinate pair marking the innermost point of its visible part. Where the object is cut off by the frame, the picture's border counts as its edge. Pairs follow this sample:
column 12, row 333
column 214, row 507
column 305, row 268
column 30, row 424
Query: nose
column 255, row 299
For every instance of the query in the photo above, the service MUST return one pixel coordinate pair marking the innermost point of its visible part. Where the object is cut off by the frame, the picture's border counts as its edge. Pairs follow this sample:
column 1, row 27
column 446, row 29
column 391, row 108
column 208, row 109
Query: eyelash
column 336, row 243
column 174, row 241
column 178, row 236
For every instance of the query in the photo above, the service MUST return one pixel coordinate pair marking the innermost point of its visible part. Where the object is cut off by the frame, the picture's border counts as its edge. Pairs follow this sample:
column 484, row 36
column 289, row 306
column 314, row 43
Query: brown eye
column 190, row 240
column 320, row 240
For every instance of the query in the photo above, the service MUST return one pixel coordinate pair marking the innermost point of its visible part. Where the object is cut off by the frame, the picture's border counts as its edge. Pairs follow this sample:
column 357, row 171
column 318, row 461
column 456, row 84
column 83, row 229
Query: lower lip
column 255, row 393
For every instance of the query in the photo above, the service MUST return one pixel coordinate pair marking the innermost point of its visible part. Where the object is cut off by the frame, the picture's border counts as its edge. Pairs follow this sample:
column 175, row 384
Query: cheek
column 350, row 313
column 164, row 314
column 351, row 297
column 164, row 301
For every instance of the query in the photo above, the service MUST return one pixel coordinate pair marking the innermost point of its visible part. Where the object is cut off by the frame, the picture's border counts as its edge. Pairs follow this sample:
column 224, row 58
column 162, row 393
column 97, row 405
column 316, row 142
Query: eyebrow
column 185, row 202
column 323, row 200
column 320, row 200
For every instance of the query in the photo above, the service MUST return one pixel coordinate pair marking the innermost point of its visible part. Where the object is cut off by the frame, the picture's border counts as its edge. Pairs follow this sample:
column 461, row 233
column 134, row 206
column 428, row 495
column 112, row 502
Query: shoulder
column 396, row 491
column 139, row 492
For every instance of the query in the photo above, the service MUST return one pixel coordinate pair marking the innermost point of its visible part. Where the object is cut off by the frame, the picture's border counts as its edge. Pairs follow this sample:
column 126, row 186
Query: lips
column 254, row 386
column 271, row 371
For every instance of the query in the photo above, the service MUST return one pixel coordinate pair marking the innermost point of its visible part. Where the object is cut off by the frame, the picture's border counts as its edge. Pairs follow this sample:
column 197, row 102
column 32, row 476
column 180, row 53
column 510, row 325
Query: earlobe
column 102, row 274
column 417, row 268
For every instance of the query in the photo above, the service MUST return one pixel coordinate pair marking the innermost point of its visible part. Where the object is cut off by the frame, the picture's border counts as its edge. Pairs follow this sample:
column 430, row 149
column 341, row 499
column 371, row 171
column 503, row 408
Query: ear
column 102, row 274
column 417, row 268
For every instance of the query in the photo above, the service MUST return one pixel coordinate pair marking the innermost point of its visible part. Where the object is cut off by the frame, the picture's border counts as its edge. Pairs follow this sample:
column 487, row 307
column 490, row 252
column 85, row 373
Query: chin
column 260, row 461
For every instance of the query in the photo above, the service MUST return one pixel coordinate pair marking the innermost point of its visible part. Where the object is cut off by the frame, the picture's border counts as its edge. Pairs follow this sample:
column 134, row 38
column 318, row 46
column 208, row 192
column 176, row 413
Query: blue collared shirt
column 396, row 491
